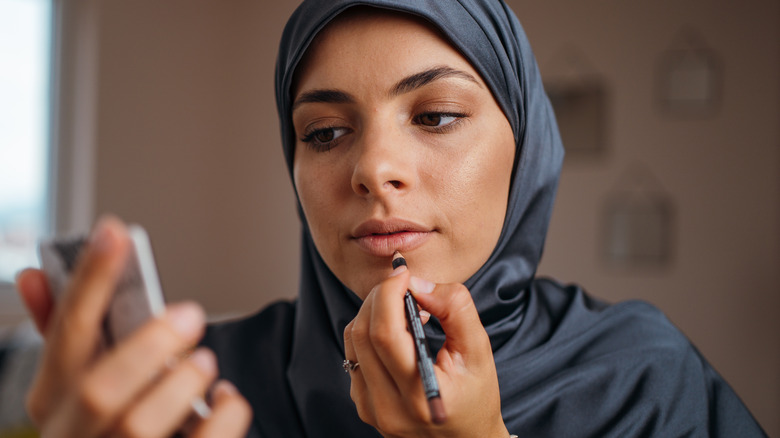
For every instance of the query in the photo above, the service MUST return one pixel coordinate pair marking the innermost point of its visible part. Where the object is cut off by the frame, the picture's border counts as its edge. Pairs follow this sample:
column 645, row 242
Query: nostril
column 365, row 189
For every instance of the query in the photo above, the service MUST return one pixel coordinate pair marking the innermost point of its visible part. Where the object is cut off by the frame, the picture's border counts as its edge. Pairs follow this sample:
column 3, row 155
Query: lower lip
column 384, row 245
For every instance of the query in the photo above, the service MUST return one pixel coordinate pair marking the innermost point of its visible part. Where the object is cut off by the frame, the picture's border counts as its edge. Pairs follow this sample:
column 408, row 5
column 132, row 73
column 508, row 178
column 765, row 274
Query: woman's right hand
column 138, row 388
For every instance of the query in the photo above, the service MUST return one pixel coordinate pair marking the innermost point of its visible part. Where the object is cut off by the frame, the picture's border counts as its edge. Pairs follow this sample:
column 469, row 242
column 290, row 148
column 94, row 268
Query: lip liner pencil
column 424, row 360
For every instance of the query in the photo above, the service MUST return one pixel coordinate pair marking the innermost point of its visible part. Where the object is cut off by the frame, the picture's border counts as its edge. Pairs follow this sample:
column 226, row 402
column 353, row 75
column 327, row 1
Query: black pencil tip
column 398, row 260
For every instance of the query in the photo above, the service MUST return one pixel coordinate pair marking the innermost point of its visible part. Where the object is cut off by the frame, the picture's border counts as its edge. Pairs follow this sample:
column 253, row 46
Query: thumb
column 35, row 293
column 453, row 306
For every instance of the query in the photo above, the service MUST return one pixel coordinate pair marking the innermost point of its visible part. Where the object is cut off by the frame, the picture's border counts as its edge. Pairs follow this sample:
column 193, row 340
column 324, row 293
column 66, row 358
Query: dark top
column 587, row 369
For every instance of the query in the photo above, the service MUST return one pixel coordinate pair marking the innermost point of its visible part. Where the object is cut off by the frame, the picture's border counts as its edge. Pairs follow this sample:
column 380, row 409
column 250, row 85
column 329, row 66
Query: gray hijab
column 489, row 35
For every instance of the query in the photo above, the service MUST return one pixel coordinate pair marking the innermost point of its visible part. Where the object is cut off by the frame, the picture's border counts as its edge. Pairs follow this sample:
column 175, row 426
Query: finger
column 358, row 390
column 127, row 371
column 363, row 336
column 390, row 337
column 78, row 316
column 230, row 414
column 386, row 353
column 453, row 306
column 164, row 409
column 380, row 396
column 34, row 291
column 74, row 324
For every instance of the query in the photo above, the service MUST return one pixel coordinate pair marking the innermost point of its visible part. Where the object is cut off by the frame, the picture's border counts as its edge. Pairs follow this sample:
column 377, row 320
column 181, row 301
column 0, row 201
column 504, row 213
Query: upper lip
column 387, row 226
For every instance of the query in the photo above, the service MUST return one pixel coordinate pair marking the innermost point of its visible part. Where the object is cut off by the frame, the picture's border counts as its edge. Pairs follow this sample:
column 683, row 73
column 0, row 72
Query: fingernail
column 19, row 277
column 204, row 359
column 424, row 314
column 398, row 270
column 25, row 280
column 421, row 286
column 102, row 239
column 186, row 318
column 225, row 387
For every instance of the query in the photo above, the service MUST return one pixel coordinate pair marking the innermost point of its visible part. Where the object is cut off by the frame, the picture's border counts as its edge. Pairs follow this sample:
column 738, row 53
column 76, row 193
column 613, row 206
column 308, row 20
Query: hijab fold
column 490, row 37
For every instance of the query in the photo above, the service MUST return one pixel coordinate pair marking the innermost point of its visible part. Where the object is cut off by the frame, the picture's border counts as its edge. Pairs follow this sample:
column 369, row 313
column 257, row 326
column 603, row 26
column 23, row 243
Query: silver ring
column 348, row 365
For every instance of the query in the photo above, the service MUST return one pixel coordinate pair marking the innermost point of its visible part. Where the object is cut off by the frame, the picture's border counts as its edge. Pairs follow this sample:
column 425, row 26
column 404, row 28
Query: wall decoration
column 579, row 98
column 638, row 221
column 689, row 77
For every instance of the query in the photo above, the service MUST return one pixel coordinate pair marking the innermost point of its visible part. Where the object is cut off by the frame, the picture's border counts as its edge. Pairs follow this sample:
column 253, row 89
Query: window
column 25, row 78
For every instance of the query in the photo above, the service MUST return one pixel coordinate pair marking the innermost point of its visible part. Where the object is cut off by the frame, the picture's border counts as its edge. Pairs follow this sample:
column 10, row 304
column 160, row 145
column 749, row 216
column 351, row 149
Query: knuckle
column 420, row 412
column 133, row 427
column 360, row 334
column 363, row 410
column 366, row 415
column 78, row 322
column 94, row 398
column 36, row 405
column 353, row 393
column 460, row 292
column 348, row 331
column 240, row 407
column 199, row 375
column 157, row 339
column 387, row 425
column 382, row 339
column 460, row 298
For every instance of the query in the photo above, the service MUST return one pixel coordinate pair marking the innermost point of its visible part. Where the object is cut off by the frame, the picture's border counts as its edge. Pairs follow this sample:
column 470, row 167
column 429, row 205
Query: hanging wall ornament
column 579, row 98
column 689, row 77
column 638, row 221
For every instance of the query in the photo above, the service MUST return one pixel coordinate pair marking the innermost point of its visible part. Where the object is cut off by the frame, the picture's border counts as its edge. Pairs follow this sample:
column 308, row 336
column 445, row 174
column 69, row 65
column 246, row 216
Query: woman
column 418, row 126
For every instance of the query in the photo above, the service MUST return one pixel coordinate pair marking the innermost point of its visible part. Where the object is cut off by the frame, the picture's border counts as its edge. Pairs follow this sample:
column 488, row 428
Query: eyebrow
column 322, row 96
column 417, row 80
column 405, row 85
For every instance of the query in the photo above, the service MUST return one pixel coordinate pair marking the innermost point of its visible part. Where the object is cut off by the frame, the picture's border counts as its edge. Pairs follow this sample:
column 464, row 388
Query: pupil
column 431, row 119
column 324, row 136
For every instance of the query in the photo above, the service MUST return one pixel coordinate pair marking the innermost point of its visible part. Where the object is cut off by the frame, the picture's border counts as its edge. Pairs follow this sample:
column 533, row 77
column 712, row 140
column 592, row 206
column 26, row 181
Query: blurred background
column 163, row 113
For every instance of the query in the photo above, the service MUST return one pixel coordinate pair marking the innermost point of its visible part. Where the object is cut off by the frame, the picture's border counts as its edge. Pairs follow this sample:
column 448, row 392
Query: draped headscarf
column 490, row 37
column 568, row 365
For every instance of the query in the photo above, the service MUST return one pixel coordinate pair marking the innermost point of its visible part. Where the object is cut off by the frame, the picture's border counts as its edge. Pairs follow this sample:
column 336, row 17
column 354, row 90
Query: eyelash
column 459, row 117
column 311, row 140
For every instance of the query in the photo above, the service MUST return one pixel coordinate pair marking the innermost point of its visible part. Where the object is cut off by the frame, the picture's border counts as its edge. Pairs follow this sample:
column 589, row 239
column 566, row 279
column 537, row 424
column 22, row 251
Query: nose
column 383, row 165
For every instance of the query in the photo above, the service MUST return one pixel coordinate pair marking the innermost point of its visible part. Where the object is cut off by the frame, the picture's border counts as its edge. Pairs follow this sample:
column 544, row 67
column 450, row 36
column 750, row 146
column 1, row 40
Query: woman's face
column 400, row 146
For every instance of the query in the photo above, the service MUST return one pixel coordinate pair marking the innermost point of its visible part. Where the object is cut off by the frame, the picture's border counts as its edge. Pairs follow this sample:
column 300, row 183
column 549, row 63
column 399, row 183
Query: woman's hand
column 138, row 387
column 386, row 387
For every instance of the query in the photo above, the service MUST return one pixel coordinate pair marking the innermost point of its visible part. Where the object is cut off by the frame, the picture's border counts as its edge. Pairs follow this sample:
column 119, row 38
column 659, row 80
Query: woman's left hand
column 387, row 388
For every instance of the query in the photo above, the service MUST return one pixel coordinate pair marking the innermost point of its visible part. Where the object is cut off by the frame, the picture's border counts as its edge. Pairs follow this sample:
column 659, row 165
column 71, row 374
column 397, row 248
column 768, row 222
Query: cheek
column 479, row 193
column 314, row 186
column 484, row 174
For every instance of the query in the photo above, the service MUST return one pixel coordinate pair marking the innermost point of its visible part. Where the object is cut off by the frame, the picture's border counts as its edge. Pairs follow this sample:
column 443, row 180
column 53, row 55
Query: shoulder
column 254, row 353
column 577, row 315
column 629, row 370
column 262, row 340
column 275, row 319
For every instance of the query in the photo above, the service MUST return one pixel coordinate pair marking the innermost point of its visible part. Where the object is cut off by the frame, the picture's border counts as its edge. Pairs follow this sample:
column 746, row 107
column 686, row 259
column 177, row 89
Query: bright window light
column 25, row 52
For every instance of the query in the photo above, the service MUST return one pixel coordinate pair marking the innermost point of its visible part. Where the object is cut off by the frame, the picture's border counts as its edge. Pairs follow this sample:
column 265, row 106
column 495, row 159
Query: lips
column 383, row 237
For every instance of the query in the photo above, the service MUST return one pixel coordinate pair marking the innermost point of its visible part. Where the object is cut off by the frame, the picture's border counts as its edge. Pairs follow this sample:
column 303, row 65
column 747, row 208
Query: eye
column 324, row 139
column 436, row 119
column 438, row 122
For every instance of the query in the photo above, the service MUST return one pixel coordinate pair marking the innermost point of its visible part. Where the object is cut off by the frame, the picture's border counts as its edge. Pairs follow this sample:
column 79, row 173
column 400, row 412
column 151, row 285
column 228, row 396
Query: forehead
column 377, row 45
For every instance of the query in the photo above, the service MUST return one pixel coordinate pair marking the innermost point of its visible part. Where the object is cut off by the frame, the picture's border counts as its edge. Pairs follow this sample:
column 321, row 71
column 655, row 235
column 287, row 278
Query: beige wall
column 188, row 145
